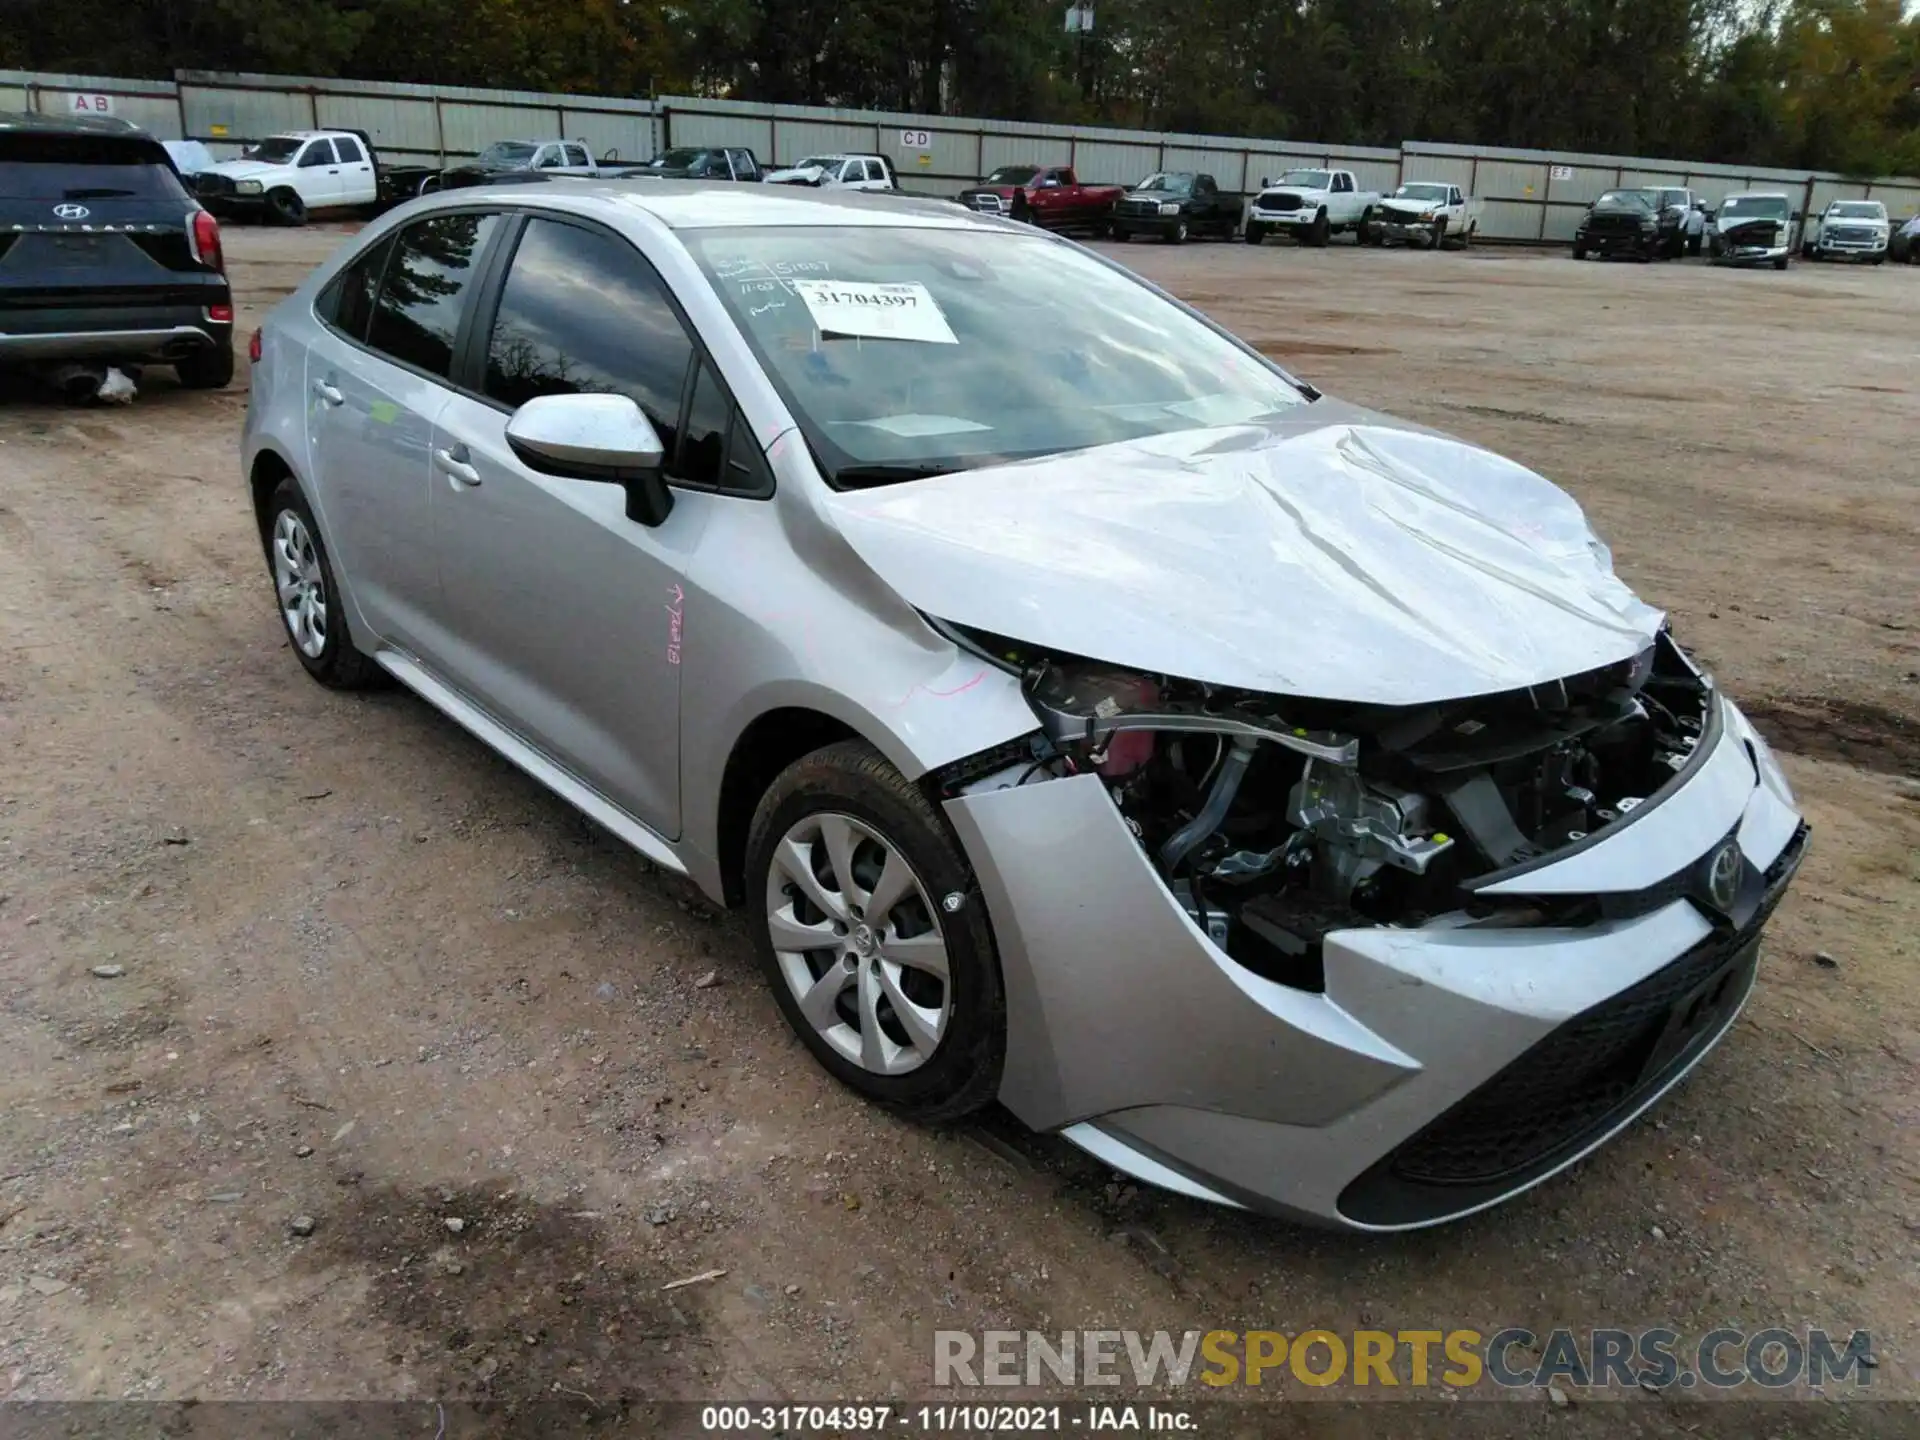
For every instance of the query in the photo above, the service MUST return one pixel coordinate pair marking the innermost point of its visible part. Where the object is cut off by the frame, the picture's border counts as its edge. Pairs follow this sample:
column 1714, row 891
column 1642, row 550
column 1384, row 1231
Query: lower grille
column 1571, row 1087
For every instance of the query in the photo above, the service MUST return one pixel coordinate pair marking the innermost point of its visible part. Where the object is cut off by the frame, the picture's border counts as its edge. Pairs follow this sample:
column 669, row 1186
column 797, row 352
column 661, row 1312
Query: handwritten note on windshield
column 875, row 312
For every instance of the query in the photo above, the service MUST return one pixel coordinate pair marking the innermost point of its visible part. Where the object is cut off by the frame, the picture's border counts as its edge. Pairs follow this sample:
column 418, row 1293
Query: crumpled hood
column 1763, row 226
column 1400, row 206
column 796, row 175
column 1332, row 555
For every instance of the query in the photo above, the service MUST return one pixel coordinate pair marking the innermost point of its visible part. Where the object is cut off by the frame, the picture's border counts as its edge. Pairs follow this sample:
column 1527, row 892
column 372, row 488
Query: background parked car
column 285, row 177
column 1177, row 205
column 1620, row 222
column 1312, row 206
column 1754, row 227
column 1050, row 196
column 511, row 159
column 1427, row 211
column 1848, row 230
column 106, row 259
column 1905, row 244
column 190, row 158
column 1683, row 221
column 838, row 172
column 700, row 163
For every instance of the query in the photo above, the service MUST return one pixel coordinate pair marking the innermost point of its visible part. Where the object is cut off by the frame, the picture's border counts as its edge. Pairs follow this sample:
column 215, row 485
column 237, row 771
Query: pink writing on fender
column 675, row 609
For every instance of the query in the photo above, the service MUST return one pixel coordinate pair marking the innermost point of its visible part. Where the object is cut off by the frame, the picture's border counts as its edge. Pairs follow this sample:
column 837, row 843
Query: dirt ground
column 374, row 977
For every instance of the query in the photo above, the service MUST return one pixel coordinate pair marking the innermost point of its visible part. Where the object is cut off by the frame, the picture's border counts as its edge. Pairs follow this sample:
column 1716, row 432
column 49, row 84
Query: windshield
column 1637, row 199
column 1012, row 175
column 1755, row 207
column 508, row 152
column 1306, row 179
column 1421, row 192
column 820, row 162
column 676, row 160
column 1171, row 184
column 85, row 167
column 276, row 149
column 1101, row 358
column 1860, row 210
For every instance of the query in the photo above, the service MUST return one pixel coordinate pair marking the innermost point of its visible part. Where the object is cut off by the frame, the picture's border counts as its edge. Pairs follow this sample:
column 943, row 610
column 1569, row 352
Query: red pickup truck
column 1050, row 196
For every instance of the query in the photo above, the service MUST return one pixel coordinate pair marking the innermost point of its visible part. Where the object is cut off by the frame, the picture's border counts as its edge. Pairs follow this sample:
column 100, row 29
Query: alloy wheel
column 300, row 583
column 859, row 943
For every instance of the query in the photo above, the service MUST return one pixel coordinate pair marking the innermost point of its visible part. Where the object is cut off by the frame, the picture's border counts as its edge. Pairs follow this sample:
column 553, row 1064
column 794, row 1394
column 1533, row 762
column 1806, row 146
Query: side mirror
column 602, row 438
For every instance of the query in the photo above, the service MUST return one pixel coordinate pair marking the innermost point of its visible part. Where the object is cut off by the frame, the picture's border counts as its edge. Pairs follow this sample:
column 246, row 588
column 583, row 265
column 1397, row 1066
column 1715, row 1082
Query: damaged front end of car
column 1404, row 961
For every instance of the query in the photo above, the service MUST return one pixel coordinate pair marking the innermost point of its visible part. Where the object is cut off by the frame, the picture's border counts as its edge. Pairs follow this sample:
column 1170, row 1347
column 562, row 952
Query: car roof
column 1757, row 195
column 23, row 121
column 703, row 205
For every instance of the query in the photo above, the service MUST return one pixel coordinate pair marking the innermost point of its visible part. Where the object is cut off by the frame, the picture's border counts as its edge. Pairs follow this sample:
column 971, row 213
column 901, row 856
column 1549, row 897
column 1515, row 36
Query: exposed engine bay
column 1275, row 821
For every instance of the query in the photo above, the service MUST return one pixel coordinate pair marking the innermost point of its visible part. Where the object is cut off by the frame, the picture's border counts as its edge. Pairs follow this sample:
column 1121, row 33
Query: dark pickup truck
column 1177, row 205
column 105, row 259
column 699, row 162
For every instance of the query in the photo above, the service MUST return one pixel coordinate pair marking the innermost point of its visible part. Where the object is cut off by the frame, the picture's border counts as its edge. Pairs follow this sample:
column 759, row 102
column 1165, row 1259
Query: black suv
column 104, row 256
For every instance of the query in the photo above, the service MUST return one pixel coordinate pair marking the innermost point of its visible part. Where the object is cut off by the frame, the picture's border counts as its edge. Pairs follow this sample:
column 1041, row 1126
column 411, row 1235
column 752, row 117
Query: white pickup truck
column 287, row 175
column 1429, row 212
column 838, row 172
column 1310, row 205
column 1849, row 230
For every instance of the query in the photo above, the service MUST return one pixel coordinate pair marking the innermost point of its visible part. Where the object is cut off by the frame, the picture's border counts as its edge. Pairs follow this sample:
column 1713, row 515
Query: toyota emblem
column 71, row 212
column 1723, row 876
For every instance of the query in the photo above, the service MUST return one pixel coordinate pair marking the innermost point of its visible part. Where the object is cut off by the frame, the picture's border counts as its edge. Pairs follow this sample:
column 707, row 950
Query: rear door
column 376, row 382
column 560, row 614
column 358, row 183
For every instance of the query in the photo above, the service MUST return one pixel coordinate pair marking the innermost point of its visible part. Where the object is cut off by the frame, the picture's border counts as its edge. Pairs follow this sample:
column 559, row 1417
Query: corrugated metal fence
column 1530, row 195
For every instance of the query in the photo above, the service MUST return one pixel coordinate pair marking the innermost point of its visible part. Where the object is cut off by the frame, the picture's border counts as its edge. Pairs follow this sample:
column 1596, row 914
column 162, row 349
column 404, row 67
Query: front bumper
column 1619, row 242
column 1161, row 225
column 1282, row 219
column 1726, row 254
column 1849, row 249
column 1387, row 1102
column 1395, row 227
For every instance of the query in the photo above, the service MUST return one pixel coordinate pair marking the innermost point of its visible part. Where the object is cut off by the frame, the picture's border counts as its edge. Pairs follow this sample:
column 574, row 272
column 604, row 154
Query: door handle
column 327, row 393
column 452, row 462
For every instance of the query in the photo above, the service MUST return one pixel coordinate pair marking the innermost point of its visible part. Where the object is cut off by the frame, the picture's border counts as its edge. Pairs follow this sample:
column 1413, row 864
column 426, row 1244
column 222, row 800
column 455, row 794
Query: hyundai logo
column 1723, row 876
column 72, row 212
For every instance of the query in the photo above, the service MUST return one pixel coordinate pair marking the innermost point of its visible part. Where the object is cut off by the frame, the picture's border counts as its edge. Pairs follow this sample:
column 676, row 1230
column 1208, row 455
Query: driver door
column 558, row 615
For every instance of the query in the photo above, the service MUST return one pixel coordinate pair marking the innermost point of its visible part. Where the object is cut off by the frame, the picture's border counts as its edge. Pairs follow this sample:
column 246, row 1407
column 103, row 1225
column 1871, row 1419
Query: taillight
column 203, row 238
column 220, row 314
column 253, row 349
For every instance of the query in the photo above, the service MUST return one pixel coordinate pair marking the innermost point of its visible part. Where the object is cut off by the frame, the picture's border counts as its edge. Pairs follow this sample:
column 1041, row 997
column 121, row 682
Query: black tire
column 1440, row 233
column 1579, row 252
column 1178, row 235
column 1781, row 263
column 340, row 665
column 1365, row 229
column 1118, row 235
column 1879, row 259
column 210, row 368
column 1694, row 244
column 286, row 207
column 1256, row 233
column 851, row 778
column 1320, row 232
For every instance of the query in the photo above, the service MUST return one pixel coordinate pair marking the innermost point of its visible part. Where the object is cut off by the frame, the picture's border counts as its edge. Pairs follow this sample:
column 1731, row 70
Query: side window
column 703, row 446
column 1342, row 184
column 744, row 166
column 876, row 171
column 582, row 312
column 318, row 152
column 852, row 172
column 577, row 156
column 348, row 150
column 1204, row 185
column 347, row 303
column 424, row 294
column 1453, row 195
column 550, row 158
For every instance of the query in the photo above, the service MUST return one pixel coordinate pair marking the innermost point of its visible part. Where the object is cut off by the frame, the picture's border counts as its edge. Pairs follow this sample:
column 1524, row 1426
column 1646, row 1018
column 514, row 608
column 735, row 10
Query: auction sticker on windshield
column 875, row 312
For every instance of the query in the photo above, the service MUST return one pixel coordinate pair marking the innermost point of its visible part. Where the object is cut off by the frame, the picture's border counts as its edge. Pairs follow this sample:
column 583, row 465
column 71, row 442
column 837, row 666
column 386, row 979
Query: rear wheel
column 286, row 207
column 872, row 936
column 307, row 596
column 210, row 368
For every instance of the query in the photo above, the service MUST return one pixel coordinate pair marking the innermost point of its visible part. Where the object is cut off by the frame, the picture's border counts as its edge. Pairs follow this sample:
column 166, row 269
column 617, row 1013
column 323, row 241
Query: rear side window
column 348, row 302
column 85, row 167
column 349, row 150
column 583, row 312
column 424, row 293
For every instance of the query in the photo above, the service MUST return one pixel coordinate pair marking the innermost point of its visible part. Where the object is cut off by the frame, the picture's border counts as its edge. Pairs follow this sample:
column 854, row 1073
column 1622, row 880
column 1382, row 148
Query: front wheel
column 1781, row 263
column 1256, row 233
column 873, row 936
column 1579, row 252
column 1320, row 232
column 1440, row 233
column 286, row 207
column 1178, row 235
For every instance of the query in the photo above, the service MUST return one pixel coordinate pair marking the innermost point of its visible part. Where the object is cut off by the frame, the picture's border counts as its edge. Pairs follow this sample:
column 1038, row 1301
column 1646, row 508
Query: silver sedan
column 1285, row 804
